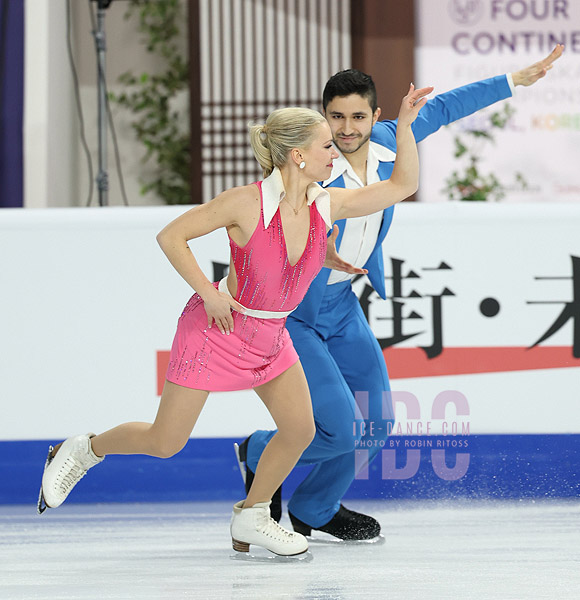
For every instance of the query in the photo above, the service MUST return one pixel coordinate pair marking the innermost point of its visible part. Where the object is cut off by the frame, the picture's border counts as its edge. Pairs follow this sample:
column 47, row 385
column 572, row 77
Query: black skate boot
column 248, row 477
column 346, row 525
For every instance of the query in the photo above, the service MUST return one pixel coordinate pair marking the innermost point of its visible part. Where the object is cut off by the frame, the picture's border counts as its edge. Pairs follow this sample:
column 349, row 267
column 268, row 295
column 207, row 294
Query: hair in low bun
column 259, row 143
column 285, row 128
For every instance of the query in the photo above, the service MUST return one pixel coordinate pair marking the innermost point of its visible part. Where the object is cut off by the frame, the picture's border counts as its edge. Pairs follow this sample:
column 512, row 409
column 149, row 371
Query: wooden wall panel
column 255, row 56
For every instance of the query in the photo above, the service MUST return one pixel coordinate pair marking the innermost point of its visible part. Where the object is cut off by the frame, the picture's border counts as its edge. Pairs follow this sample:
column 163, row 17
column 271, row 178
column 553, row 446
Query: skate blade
column 41, row 505
column 241, row 465
column 325, row 539
column 262, row 555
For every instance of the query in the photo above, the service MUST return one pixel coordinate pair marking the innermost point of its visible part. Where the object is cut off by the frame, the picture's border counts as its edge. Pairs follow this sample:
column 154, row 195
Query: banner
column 480, row 332
column 461, row 41
column 483, row 300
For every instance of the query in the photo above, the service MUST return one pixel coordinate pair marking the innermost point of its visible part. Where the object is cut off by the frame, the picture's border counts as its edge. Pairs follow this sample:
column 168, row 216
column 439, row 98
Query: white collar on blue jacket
column 340, row 165
column 273, row 193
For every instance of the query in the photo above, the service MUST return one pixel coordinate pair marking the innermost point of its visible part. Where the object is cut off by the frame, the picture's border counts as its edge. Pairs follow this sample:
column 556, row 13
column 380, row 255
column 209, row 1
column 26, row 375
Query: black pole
column 101, row 49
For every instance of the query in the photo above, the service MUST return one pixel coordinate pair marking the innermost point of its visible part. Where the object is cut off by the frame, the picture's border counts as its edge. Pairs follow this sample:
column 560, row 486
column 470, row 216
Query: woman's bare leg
column 288, row 400
column 178, row 412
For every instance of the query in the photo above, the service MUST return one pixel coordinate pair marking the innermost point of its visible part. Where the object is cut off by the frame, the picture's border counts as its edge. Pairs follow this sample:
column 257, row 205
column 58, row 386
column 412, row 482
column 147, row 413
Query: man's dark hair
column 350, row 81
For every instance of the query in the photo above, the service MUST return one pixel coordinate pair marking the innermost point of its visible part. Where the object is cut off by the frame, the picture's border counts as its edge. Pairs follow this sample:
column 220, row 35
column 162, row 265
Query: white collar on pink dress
column 273, row 193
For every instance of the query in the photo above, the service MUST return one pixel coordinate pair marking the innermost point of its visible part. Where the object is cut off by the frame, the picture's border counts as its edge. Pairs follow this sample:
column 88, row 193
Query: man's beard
column 352, row 150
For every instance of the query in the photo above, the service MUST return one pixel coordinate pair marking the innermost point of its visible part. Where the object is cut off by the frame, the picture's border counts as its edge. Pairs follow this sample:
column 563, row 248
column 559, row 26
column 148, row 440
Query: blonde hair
column 285, row 128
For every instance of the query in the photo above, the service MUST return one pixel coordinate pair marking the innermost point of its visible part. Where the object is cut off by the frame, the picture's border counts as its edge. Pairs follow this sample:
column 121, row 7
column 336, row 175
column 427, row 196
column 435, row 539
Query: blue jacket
column 439, row 111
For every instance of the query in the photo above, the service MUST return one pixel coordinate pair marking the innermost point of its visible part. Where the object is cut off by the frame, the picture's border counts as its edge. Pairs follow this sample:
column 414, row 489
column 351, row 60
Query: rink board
column 90, row 304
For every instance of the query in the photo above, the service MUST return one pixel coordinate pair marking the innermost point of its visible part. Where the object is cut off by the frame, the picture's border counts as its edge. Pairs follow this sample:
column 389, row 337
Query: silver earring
column 302, row 164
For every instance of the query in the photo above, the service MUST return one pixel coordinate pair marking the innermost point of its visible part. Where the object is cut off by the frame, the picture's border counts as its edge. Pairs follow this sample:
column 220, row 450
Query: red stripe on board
column 162, row 364
column 407, row 363
column 413, row 362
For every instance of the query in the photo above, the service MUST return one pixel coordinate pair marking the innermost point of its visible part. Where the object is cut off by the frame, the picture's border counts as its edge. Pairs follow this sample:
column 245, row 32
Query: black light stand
column 101, row 48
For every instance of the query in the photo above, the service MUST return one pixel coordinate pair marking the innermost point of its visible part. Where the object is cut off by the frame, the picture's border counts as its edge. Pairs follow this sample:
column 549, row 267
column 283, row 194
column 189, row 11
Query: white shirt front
column 360, row 233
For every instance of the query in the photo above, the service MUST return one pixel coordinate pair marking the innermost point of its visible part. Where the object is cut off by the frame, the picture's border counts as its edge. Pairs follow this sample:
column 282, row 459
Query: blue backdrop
column 11, row 101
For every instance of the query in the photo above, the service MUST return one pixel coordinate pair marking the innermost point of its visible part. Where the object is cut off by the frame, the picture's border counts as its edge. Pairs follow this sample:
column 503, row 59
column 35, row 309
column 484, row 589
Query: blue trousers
column 343, row 363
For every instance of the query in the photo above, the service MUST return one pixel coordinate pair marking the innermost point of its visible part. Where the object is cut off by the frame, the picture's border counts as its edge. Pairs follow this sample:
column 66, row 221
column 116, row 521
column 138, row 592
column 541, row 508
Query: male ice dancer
column 339, row 352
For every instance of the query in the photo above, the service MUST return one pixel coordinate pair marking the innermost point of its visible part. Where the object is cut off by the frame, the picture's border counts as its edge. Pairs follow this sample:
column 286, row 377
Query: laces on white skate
column 272, row 529
column 69, row 475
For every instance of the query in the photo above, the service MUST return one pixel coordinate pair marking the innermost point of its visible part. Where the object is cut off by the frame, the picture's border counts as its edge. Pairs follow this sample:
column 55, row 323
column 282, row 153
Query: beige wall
column 56, row 172
column 49, row 173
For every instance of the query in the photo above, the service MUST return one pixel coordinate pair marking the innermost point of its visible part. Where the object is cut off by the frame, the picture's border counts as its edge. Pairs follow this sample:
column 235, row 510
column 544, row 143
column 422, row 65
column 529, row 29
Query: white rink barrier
column 89, row 306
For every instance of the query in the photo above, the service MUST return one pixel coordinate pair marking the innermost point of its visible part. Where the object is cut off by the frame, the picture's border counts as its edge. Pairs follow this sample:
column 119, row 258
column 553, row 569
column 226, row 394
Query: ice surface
column 508, row 550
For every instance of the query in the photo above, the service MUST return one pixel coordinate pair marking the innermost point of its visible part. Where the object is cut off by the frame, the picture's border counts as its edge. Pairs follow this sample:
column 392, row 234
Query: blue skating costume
column 339, row 352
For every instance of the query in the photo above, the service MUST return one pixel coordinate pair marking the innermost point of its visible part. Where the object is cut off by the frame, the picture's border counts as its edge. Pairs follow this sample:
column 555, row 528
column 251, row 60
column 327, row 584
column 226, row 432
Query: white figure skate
column 255, row 526
column 65, row 469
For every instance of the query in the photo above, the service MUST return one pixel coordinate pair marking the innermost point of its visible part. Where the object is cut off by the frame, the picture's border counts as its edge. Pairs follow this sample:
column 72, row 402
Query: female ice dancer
column 231, row 334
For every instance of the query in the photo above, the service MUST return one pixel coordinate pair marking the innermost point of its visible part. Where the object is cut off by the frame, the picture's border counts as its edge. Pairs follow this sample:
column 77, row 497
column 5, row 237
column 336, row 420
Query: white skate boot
column 255, row 526
column 64, row 470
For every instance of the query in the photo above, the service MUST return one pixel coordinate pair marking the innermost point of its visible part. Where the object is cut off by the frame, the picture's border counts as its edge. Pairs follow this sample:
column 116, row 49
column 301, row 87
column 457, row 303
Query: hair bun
column 285, row 128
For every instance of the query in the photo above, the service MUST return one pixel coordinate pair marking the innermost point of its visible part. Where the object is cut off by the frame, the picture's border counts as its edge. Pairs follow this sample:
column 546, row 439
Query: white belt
column 252, row 312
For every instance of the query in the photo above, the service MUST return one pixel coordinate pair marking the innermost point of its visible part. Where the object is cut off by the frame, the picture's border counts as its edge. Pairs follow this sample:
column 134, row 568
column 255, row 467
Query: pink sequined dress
column 258, row 349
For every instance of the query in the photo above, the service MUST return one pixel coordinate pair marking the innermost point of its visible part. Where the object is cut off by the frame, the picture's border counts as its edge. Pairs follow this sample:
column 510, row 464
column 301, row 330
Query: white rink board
column 88, row 299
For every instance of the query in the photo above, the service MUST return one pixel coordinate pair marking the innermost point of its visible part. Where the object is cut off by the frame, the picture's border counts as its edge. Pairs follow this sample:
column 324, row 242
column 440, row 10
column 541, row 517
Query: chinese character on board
column 402, row 298
column 571, row 310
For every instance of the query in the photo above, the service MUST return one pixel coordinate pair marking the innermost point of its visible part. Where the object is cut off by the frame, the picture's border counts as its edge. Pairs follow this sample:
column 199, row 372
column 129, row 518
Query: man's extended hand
column 530, row 75
column 333, row 260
